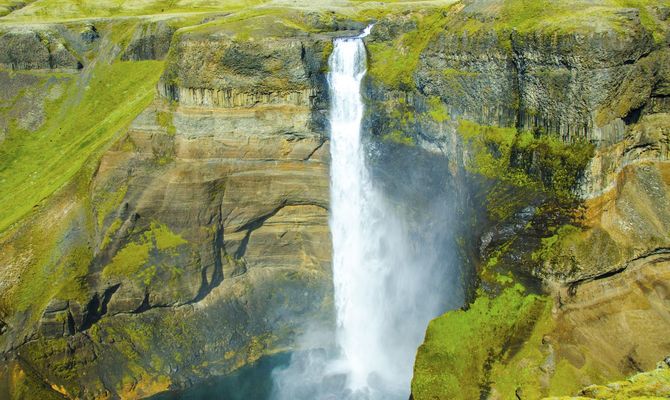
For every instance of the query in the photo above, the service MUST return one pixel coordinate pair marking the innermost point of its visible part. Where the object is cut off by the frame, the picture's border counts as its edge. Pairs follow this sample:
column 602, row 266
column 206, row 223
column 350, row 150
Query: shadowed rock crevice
column 97, row 307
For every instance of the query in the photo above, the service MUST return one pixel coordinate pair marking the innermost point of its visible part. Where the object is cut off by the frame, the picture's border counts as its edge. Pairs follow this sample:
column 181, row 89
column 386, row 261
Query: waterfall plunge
column 388, row 278
column 363, row 237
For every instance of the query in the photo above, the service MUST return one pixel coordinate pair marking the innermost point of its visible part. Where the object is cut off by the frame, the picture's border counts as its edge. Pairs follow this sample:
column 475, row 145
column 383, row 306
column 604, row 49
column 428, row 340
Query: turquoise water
column 253, row 382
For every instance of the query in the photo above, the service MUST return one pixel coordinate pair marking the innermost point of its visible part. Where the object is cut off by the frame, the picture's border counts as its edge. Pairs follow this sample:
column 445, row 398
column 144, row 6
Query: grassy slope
column 35, row 164
column 49, row 10
column 55, row 10
column 471, row 343
column 7, row 6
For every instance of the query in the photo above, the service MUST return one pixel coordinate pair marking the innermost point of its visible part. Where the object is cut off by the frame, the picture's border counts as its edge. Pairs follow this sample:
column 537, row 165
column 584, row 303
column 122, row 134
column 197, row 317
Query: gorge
column 250, row 199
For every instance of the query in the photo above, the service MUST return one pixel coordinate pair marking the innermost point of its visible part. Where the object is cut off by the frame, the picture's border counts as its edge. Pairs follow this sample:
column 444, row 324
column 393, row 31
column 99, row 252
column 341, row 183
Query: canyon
column 165, row 181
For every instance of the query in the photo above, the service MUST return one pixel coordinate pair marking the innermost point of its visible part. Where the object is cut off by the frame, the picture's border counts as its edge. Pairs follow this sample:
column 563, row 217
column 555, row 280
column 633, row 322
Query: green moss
column 399, row 137
column 129, row 260
column 494, row 274
column 165, row 238
column 437, row 110
column 525, row 359
column 108, row 202
column 459, row 355
column 164, row 119
column 451, row 72
column 133, row 260
column 551, row 245
column 393, row 63
column 327, row 51
column 61, row 362
column 113, row 228
column 535, row 162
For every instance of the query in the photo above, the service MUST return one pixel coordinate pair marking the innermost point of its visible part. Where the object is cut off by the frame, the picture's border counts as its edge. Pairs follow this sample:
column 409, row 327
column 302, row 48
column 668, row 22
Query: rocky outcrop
column 150, row 41
column 587, row 82
column 622, row 319
column 282, row 70
column 649, row 384
column 26, row 49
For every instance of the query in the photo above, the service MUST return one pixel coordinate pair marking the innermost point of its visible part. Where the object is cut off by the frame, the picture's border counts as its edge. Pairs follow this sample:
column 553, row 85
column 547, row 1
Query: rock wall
column 199, row 242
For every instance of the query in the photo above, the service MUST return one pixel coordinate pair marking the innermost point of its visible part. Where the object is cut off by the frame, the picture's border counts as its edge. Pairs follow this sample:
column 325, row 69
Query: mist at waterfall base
column 394, row 267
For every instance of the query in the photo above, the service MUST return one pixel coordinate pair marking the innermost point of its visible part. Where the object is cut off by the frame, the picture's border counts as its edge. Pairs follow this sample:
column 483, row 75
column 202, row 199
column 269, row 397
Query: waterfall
column 387, row 273
column 357, row 229
column 382, row 309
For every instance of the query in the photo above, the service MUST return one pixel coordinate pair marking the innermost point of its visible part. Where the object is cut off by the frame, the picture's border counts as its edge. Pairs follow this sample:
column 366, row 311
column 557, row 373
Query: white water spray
column 386, row 272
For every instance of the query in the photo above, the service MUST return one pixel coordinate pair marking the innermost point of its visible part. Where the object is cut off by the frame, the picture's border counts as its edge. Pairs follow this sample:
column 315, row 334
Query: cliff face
column 199, row 241
column 559, row 124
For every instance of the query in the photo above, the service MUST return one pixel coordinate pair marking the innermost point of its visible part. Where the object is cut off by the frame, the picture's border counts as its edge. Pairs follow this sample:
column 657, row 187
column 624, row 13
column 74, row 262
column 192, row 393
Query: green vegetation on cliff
column 469, row 354
column 394, row 62
column 394, row 58
column 131, row 260
column 529, row 162
column 651, row 385
column 462, row 349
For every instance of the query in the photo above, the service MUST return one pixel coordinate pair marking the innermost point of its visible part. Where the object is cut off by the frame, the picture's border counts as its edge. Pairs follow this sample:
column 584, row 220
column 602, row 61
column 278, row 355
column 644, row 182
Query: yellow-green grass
column 399, row 137
column 35, row 164
column 52, row 10
column 577, row 15
column 7, row 6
